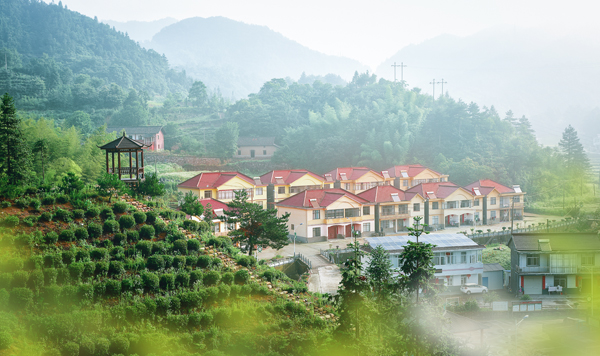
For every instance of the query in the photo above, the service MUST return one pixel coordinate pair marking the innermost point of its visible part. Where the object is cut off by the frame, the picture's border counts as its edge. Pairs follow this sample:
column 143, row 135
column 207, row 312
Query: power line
column 433, row 83
column 442, row 83
column 401, row 65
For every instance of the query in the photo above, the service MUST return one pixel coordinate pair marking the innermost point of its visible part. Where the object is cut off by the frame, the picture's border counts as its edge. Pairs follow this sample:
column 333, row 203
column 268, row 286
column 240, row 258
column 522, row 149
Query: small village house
column 151, row 136
column 407, row 176
column 446, row 204
column 222, row 186
column 282, row 184
column 494, row 201
column 353, row 179
column 256, row 147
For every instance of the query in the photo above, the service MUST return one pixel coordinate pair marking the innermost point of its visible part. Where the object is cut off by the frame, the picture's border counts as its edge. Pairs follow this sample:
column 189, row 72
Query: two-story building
column 394, row 209
column 256, row 147
column 494, row 201
column 321, row 214
column 406, row 176
column 223, row 185
column 216, row 207
column 568, row 260
column 457, row 258
column 353, row 179
column 281, row 184
column 151, row 136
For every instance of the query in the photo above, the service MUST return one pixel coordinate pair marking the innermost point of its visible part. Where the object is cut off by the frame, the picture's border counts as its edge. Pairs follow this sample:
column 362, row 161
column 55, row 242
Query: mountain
column 60, row 47
column 141, row 31
column 238, row 58
column 549, row 79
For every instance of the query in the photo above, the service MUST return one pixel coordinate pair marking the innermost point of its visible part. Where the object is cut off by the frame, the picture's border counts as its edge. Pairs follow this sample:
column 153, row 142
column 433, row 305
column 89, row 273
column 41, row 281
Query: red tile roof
column 482, row 184
column 324, row 197
column 288, row 176
column 411, row 169
column 440, row 189
column 383, row 194
column 211, row 180
column 352, row 173
column 214, row 204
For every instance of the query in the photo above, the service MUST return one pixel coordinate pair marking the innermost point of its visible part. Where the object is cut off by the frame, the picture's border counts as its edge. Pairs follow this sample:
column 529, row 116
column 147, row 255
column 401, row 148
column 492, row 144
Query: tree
column 197, row 94
column 41, row 147
column 151, row 186
column 109, row 184
column 16, row 164
column 379, row 270
column 256, row 226
column 191, row 205
column 225, row 140
column 417, row 260
column 134, row 111
column 572, row 150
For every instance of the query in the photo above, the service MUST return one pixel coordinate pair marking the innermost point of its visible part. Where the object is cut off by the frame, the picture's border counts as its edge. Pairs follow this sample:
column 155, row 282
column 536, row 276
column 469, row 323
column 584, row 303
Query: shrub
column 246, row 261
column 151, row 217
column 180, row 246
column 211, row 278
column 46, row 216
column 191, row 225
column 5, row 204
column 204, row 261
column 191, row 261
column 227, row 278
column 155, row 263
column 30, row 221
column 160, row 226
column 94, row 230
column 241, row 277
column 119, row 345
column 87, row 347
column 196, row 276
column 62, row 214
column 21, row 298
column 133, row 236
column 35, row 204
column 22, row 203
column 116, row 268
column 216, row 262
column 159, row 248
column 67, row 235
column 76, row 271
column 175, row 235
column 151, row 281
column 92, row 212
column 98, row 254
column 139, row 217
column 89, row 268
column 126, row 222
column 62, row 199
column 179, row 262
column 215, row 241
column 36, row 279
column 525, row 297
column 110, row 226
column 20, row 279
column 145, row 247
column 5, row 280
column 5, row 340
column 147, row 232
column 51, row 237
column 107, row 212
column 68, row 257
column 193, row 245
column 190, row 300
column 120, row 207
column 101, row 268
column 167, row 281
column 48, row 200
column 11, row 221
column 182, row 279
column 119, row 239
column 81, row 233
column 82, row 255
column 113, row 287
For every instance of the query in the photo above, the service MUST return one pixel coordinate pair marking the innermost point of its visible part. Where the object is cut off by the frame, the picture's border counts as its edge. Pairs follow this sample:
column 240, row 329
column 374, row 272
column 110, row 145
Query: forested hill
column 238, row 58
column 49, row 43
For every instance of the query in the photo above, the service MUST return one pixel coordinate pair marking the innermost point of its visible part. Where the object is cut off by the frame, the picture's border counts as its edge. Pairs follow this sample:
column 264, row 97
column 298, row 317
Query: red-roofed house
column 446, row 204
column 394, row 208
column 221, row 186
column 281, row 184
column 409, row 175
column 353, row 179
column 219, row 227
column 320, row 214
column 495, row 201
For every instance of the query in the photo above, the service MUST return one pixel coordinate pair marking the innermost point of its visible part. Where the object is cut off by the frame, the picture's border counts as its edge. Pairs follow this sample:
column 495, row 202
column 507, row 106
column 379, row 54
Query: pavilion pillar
column 113, row 162
column 119, row 159
column 143, row 167
column 130, row 168
column 107, row 171
column 137, row 166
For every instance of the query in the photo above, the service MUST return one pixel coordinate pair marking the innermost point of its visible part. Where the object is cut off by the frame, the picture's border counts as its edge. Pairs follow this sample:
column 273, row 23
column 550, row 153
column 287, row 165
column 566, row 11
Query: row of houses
column 363, row 200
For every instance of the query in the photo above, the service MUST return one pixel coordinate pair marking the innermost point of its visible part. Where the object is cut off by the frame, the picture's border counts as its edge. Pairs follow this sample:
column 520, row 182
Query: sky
column 368, row 31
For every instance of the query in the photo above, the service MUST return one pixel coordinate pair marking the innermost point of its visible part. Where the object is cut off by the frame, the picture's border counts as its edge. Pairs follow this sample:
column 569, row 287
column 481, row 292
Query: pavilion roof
column 123, row 143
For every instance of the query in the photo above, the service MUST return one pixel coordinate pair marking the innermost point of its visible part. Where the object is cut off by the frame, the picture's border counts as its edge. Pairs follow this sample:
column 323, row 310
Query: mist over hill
column 239, row 58
column 141, row 31
column 547, row 78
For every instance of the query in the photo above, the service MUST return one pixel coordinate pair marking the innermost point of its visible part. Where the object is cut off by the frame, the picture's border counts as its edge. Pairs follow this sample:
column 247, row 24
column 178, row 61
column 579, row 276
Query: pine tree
column 16, row 162
column 572, row 150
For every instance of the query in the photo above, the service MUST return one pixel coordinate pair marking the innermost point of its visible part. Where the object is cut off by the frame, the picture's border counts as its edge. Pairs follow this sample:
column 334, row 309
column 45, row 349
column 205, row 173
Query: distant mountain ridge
column 239, row 58
column 548, row 79
column 141, row 31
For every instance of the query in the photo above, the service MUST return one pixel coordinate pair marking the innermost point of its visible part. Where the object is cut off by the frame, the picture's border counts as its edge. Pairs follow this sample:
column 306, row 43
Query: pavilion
column 131, row 174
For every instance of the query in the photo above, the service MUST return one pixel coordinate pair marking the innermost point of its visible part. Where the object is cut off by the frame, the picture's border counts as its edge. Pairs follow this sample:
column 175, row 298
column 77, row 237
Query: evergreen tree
column 197, row 94
column 16, row 162
column 191, row 205
column 572, row 150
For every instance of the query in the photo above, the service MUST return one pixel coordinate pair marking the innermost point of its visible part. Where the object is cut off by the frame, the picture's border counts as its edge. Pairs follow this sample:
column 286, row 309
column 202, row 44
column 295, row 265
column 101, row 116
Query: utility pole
column 433, row 83
column 512, row 214
column 401, row 65
column 442, row 83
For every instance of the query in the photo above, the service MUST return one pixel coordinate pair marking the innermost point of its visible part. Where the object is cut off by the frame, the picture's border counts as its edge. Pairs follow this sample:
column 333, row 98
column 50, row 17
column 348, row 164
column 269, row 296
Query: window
column 259, row 191
column 387, row 210
column 367, row 227
column 280, row 190
column 387, row 224
column 435, row 220
column 327, row 186
column 435, row 205
column 316, row 214
column 351, row 213
column 493, row 215
column 588, row 260
column 478, row 256
column 264, row 152
column 493, row 201
column 463, row 257
column 292, row 226
column 316, row 231
column 417, row 207
column 450, row 258
column 472, row 258
column 516, row 199
column 451, row 205
column 450, row 278
column 334, row 214
column 476, row 203
column 463, row 279
column 465, row 203
column 405, row 183
column 207, row 194
column 439, row 259
column 217, row 227
column 533, row 260
column 347, row 186
column 403, row 209
column 230, row 194
column 230, row 227
column 366, row 210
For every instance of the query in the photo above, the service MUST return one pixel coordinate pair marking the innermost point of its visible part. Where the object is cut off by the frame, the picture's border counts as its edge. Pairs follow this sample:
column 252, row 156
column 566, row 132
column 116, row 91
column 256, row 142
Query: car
column 473, row 288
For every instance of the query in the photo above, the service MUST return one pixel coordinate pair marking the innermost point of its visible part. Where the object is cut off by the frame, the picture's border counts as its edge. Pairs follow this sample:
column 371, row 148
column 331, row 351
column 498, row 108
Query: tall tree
column 191, row 205
column 16, row 164
column 572, row 150
column 256, row 226
column 197, row 94
column 225, row 140
column 41, row 147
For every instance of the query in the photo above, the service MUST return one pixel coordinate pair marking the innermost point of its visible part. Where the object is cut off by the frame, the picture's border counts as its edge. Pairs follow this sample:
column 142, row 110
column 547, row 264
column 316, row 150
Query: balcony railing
column 127, row 171
column 534, row 269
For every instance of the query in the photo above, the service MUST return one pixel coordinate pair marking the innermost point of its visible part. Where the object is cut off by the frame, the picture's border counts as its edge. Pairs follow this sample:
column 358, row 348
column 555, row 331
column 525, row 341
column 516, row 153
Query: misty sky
column 369, row 31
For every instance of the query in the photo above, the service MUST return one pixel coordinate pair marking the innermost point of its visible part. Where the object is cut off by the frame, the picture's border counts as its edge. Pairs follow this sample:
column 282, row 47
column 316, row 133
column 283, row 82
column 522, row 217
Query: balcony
column 588, row 269
column 534, row 269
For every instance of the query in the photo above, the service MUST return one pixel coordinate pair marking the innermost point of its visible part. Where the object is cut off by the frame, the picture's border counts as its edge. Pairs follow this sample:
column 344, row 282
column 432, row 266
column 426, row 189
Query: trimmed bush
column 147, row 232
column 175, row 235
column 51, row 237
column 242, row 276
column 20, row 279
column 110, row 226
column 81, row 233
column 246, row 261
column 62, row 199
column 119, row 345
column 196, row 276
column 76, row 271
column 68, row 257
column 107, row 212
column 67, row 235
column 151, row 217
column 89, row 268
column 82, row 255
column 155, row 263
column 5, row 340
column 151, row 281
column 215, row 241
column 30, row 220
column 94, row 230
column 22, row 203
column 119, row 239
column 21, row 298
column 203, row 261
column 179, row 262
column 167, row 281
column 35, row 204
column 133, row 236
column 191, row 225
column 98, row 254
column 139, row 217
column 217, row 262
column 120, row 207
column 191, row 261
column 160, row 226
column 11, row 221
column 193, row 245
column 62, row 214
column 180, row 246
column 113, row 287
column 227, row 278
column 211, row 278
column 159, row 248
column 78, row 214
column 168, row 261
column 5, row 204
column 115, row 268
column 145, row 247
column 126, row 222
column 46, row 216
column 92, row 212
column 48, row 200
